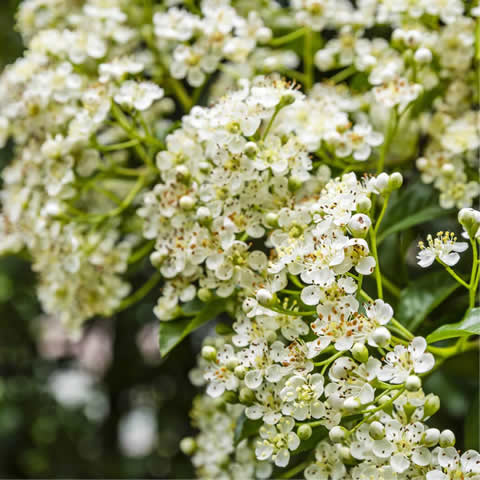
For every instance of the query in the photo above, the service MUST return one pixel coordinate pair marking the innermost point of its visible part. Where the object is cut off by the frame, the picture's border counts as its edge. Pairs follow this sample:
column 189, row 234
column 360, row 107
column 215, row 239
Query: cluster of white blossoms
column 233, row 144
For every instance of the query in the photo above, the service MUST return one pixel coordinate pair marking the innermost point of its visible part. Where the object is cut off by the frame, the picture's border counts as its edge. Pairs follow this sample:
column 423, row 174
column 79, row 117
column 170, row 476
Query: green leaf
column 171, row 333
column 415, row 204
column 470, row 325
column 472, row 430
column 245, row 428
column 422, row 296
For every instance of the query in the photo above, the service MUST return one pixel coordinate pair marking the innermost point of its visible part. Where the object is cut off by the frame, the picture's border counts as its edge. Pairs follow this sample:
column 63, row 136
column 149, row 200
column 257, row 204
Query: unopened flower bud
column 157, row 258
column 265, row 298
column 431, row 437
column 230, row 397
column 304, row 432
column 246, row 396
column 240, row 371
column 204, row 167
column 345, row 454
column 232, row 363
column 359, row 225
column 287, row 99
column 264, row 35
column 447, row 439
column 381, row 336
column 204, row 295
column 294, row 184
column 470, row 221
column 376, row 430
column 423, row 55
column 187, row 202
column 431, row 406
column 250, row 149
column 381, row 182
column 351, row 404
column 448, row 169
column 209, row 353
column 413, row 383
column 188, row 445
column 364, row 205
column 395, row 181
column 182, row 173
column 360, row 352
column 270, row 336
column 271, row 219
column 409, row 410
column 203, row 214
column 337, row 434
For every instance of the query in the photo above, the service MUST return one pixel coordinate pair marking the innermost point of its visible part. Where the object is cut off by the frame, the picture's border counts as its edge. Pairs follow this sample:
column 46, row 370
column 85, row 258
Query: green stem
column 141, row 292
column 342, row 75
column 391, row 287
column 270, row 123
column 293, row 313
column 297, row 469
column 329, row 359
column 454, row 275
column 295, row 281
column 308, row 59
column 289, row 37
column 181, row 93
column 378, row 275
column 473, row 285
column 117, row 146
column 141, row 252
column 391, row 127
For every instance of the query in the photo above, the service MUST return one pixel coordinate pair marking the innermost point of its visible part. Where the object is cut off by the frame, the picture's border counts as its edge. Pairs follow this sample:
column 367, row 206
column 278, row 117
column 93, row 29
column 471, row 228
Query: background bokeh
column 106, row 405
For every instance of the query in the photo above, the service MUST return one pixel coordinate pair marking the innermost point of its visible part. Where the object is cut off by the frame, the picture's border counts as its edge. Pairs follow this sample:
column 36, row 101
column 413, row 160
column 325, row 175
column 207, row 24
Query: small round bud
column 270, row 336
column 250, row 149
column 246, row 396
column 230, row 397
column 364, row 205
column 187, row 202
column 271, row 219
column 381, row 336
column 360, row 352
column 188, row 445
column 345, row 454
column 240, row 371
column 412, row 38
column 209, row 353
column 431, row 406
column 470, row 221
column 337, row 434
column 204, row 167
column 422, row 163
column 413, row 383
column 265, row 298
column 294, row 184
column 304, row 432
column 351, row 404
column 359, row 225
column 203, row 214
column 287, row 99
column 376, row 430
column 264, row 35
column 249, row 304
column 423, row 55
column 448, row 169
column 447, row 439
column 381, row 182
column 157, row 258
column 398, row 35
column 182, row 173
column 204, row 295
column 431, row 437
column 395, row 181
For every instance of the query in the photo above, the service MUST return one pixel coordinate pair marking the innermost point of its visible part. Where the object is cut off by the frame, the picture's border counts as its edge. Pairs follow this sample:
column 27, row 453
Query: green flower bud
column 186, row 202
column 294, row 184
column 431, row 406
column 204, row 295
column 286, row 100
column 246, row 396
column 271, row 219
column 230, row 397
column 413, row 383
column 447, row 439
column 337, row 434
column 431, row 437
column 183, row 174
column 470, row 221
column 240, row 371
column 376, row 430
column 209, row 353
column 304, row 432
column 364, row 205
column 395, row 181
column 188, row 445
column 265, row 297
column 360, row 352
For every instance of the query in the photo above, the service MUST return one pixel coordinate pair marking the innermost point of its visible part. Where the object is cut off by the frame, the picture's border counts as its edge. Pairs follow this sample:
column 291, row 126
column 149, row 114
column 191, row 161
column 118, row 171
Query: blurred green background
column 107, row 405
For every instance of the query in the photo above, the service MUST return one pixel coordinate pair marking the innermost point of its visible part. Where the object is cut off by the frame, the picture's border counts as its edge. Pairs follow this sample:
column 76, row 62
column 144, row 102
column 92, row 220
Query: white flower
column 277, row 441
column 399, row 92
column 403, row 361
column 444, row 247
column 451, row 465
column 328, row 463
column 138, row 95
column 219, row 376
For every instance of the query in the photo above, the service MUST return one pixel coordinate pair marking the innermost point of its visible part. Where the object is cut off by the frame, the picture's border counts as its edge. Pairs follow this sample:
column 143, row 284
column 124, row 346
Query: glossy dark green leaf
column 413, row 205
column 470, row 325
column 245, row 428
column 422, row 296
column 171, row 333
